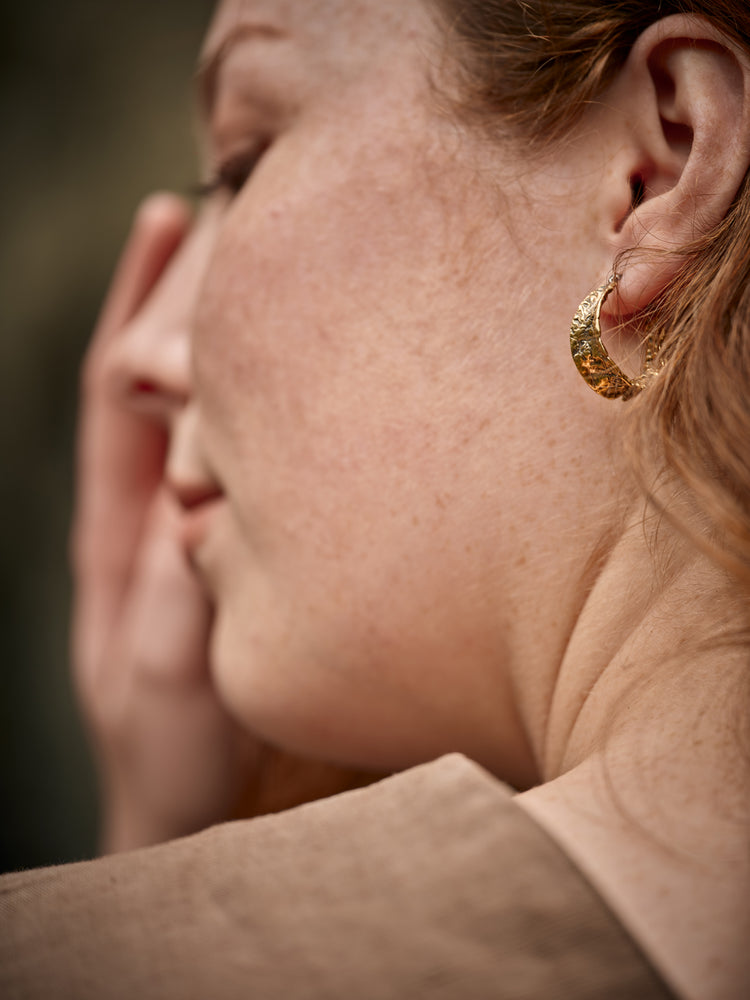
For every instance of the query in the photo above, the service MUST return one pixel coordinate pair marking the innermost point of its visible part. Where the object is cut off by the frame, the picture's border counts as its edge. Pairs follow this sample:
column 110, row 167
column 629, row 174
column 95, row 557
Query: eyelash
column 230, row 176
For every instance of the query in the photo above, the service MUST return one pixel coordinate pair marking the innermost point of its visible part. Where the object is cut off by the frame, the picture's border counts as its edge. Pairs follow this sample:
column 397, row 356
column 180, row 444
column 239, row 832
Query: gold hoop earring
column 590, row 355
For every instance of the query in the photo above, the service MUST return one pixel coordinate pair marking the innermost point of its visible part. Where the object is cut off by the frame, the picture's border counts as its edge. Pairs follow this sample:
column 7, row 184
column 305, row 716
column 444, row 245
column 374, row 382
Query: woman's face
column 385, row 441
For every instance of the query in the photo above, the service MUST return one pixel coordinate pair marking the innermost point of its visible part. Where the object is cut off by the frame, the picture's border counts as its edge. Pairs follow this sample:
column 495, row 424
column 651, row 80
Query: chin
column 272, row 697
column 304, row 708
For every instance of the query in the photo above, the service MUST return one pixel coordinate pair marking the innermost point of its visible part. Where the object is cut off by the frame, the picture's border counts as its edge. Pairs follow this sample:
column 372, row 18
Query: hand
column 171, row 759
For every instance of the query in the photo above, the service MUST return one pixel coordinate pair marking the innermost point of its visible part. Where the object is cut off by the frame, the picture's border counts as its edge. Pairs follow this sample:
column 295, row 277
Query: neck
column 647, row 778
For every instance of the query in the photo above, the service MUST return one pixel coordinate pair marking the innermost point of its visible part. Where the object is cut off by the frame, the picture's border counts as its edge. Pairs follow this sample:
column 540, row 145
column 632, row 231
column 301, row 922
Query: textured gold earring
column 590, row 355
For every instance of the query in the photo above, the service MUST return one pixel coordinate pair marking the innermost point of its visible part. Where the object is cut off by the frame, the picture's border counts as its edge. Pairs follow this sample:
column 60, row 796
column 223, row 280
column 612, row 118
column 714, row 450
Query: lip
column 195, row 523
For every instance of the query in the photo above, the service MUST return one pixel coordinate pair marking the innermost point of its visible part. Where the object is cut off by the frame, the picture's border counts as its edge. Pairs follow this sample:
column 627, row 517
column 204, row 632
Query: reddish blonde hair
column 532, row 66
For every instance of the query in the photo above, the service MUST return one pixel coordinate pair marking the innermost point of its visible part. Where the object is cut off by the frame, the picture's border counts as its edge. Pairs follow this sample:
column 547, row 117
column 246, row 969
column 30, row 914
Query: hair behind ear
column 694, row 419
column 534, row 68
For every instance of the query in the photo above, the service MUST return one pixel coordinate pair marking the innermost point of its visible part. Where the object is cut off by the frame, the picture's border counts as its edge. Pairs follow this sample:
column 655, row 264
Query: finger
column 167, row 622
column 159, row 226
column 162, row 625
column 120, row 455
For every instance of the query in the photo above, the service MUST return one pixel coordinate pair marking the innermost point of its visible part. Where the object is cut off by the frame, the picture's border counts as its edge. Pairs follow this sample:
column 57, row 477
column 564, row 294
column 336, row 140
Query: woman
column 344, row 493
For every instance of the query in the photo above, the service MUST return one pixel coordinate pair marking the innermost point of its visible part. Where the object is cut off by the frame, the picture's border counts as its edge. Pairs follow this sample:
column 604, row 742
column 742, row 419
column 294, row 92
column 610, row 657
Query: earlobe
column 683, row 98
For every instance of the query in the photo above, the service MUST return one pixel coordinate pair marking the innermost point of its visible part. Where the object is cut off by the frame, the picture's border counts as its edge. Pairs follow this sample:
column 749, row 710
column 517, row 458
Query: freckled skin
column 370, row 313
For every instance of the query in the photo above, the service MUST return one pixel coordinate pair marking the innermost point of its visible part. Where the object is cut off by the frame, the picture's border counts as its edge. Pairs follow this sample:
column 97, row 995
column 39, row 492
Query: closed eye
column 232, row 174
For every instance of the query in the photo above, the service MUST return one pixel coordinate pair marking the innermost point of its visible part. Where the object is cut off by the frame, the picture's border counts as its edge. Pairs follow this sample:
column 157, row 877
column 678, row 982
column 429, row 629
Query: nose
column 150, row 363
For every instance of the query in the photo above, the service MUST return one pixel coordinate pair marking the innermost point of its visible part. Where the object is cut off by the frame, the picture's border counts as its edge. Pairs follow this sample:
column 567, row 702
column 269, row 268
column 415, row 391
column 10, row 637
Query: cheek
column 342, row 291
column 321, row 347
column 327, row 429
column 354, row 396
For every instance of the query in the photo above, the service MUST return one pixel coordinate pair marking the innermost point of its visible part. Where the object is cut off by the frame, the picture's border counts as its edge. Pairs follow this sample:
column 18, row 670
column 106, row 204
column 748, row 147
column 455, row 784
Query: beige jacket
column 432, row 883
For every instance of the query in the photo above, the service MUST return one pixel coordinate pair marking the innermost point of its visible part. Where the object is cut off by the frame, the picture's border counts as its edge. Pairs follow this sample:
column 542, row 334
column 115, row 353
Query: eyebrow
column 210, row 64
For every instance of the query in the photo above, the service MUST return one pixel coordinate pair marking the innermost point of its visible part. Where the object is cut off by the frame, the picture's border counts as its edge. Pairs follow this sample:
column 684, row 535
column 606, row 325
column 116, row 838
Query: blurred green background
column 96, row 112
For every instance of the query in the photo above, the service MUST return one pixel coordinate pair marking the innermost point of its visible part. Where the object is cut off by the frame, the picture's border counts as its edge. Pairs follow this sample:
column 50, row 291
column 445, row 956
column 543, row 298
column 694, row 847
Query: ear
column 681, row 106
